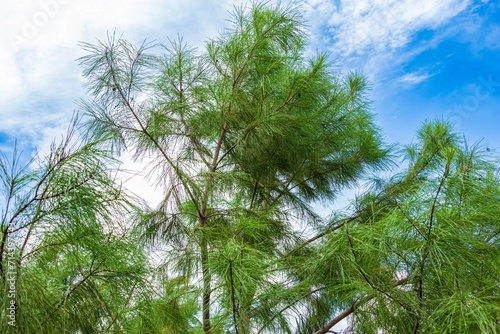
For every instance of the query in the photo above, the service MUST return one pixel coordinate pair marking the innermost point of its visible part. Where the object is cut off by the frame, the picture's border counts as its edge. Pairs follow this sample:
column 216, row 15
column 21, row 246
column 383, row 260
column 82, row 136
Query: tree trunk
column 207, row 328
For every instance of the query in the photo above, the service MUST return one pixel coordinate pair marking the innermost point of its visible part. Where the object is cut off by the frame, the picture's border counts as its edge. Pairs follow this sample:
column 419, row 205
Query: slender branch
column 380, row 198
column 207, row 328
column 429, row 242
column 55, row 244
column 207, row 279
column 408, row 218
column 5, row 227
column 75, row 286
column 25, row 206
column 338, row 224
column 254, row 191
column 351, row 309
column 2, row 250
column 115, row 318
column 30, row 230
column 37, row 189
column 286, row 307
column 326, row 328
column 42, row 197
column 134, row 61
column 149, row 135
column 9, row 199
column 233, row 297
column 365, row 276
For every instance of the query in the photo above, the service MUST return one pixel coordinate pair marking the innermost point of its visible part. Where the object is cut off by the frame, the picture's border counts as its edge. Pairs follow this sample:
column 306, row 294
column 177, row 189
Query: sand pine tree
column 66, row 261
column 421, row 252
column 243, row 136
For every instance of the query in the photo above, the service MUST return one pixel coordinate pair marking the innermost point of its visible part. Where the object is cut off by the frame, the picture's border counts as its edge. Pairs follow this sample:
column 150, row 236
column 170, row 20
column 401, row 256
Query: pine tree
column 67, row 263
column 421, row 252
column 244, row 137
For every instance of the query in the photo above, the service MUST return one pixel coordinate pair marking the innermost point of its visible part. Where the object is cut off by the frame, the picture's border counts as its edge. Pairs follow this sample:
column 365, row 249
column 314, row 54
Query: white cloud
column 39, row 44
column 378, row 37
column 387, row 24
column 40, row 75
column 41, row 79
column 414, row 78
column 136, row 181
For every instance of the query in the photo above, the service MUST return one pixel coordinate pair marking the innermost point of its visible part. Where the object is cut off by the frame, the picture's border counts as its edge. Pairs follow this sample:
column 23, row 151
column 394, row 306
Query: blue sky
column 424, row 58
column 459, row 68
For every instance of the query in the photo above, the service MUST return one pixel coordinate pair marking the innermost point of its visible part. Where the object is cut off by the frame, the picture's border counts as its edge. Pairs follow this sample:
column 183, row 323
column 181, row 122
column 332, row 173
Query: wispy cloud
column 39, row 44
column 40, row 76
column 414, row 78
column 360, row 26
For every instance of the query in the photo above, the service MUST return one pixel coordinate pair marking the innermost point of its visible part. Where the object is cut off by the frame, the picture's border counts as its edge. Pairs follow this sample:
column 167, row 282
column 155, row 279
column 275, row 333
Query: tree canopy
column 245, row 138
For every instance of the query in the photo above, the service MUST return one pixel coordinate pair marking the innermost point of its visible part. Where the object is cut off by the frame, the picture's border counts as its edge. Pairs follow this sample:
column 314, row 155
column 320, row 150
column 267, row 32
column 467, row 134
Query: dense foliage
column 67, row 263
column 245, row 138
